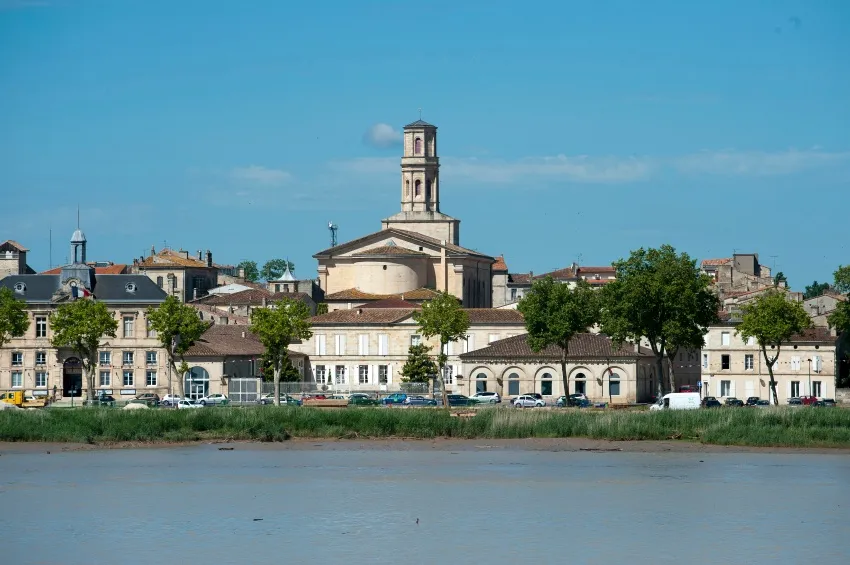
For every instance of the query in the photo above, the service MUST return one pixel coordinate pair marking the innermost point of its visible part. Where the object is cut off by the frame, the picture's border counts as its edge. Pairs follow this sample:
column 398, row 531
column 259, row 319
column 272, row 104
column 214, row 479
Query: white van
column 678, row 401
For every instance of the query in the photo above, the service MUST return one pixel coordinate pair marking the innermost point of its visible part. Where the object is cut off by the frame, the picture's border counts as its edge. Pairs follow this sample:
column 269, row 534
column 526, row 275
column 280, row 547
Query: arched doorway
column 197, row 383
column 72, row 377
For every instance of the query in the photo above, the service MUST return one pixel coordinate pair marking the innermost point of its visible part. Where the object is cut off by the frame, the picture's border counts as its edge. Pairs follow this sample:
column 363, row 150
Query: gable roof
column 354, row 294
column 390, row 250
column 220, row 341
column 14, row 244
column 250, row 297
column 108, row 270
column 169, row 258
column 500, row 264
column 519, row 278
column 581, row 346
column 420, row 123
column 495, row 316
column 363, row 316
column 352, row 245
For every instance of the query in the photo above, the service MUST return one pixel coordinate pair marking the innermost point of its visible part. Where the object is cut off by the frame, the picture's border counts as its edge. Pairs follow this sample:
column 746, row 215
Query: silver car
column 526, row 401
column 487, row 397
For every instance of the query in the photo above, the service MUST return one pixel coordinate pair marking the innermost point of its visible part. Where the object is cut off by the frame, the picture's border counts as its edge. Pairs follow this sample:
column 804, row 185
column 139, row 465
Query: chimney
column 209, row 258
column 153, row 251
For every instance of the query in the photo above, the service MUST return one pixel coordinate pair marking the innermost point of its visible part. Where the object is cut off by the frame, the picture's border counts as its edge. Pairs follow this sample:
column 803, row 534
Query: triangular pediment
column 389, row 242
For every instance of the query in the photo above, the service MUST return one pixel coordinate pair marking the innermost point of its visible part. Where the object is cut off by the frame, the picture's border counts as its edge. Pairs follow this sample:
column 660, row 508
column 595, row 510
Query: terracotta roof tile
column 714, row 262
column 208, row 312
column 581, row 346
column 607, row 269
column 110, row 270
column 15, row 244
column 221, row 340
column 494, row 316
column 815, row 335
column 250, row 297
column 500, row 264
column 170, row 258
column 363, row 316
column 353, row 294
column 389, row 232
column 520, row 278
column 390, row 303
column 391, row 250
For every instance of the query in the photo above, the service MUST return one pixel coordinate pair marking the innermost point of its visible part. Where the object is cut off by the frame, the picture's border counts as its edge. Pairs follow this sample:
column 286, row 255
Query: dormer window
column 20, row 288
column 130, row 287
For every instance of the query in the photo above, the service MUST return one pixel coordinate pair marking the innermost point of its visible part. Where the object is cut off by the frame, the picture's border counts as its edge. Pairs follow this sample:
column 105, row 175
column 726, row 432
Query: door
column 196, row 391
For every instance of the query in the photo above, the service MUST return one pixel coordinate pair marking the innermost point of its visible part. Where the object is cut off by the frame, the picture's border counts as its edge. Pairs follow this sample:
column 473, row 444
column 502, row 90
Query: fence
column 243, row 391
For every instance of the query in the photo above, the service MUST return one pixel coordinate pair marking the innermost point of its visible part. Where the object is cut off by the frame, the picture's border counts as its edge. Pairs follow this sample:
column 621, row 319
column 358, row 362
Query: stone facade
column 179, row 274
column 13, row 259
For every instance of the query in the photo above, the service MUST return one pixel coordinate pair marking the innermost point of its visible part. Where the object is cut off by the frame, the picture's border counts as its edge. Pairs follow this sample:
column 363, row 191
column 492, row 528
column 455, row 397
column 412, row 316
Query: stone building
column 820, row 307
column 417, row 248
column 178, row 274
column 740, row 273
column 13, row 259
column 596, row 367
column 287, row 283
column 365, row 348
column 509, row 288
column 128, row 363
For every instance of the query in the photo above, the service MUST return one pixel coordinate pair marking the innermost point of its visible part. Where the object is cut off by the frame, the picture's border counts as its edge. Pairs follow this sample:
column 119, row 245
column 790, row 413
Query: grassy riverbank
column 780, row 427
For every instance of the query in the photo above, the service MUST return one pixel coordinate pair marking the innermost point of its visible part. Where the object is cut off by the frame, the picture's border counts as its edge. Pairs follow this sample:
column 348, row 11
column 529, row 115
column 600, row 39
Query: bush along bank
column 775, row 427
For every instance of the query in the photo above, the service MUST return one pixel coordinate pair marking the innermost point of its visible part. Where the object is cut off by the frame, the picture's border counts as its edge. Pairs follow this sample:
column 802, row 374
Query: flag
column 80, row 292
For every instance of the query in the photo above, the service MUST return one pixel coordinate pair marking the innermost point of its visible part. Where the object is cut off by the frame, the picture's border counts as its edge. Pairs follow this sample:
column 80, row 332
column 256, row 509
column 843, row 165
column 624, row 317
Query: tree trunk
column 564, row 376
column 772, row 382
column 90, row 382
column 181, row 379
column 659, row 367
column 277, row 365
column 671, row 375
column 443, row 385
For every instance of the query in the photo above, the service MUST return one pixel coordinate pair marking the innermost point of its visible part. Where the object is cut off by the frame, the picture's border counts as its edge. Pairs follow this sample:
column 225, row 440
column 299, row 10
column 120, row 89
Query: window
column 481, row 382
column 320, row 374
column 339, row 342
column 104, row 378
column 277, row 288
column 724, row 362
column 159, row 282
column 748, row 362
column 795, row 364
column 149, row 329
column 581, row 384
column 363, row 344
column 17, row 379
column 286, row 287
column 705, row 360
column 751, row 340
column 41, row 379
column 795, row 389
column 340, row 374
column 417, row 187
column 128, row 378
column 150, row 378
column 383, row 344
column 513, row 294
column 41, row 326
column 724, row 338
column 448, row 374
column 493, row 337
column 513, row 384
column 816, row 389
column 614, row 385
column 150, row 358
column 40, row 358
column 320, row 345
column 363, row 374
column 417, row 146
column 105, row 358
column 725, row 388
column 383, row 374
column 17, row 359
column 415, row 340
column 129, row 326
column 546, row 384
column 448, row 348
column 128, row 358
column 173, row 282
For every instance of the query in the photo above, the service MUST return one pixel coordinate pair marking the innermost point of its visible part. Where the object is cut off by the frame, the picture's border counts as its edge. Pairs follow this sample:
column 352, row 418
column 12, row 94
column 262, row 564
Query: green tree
column 839, row 320
column 772, row 320
column 419, row 367
column 14, row 321
column 177, row 327
column 288, row 372
column 277, row 326
column 444, row 318
column 79, row 326
column 321, row 308
column 274, row 268
column 554, row 313
column 250, row 270
column 661, row 296
column 815, row 289
column 779, row 279
column 842, row 279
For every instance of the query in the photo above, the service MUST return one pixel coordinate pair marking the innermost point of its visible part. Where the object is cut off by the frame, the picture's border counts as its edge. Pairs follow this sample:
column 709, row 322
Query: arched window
column 613, row 384
column 407, row 187
column 546, row 384
column 417, row 187
column 513, row 384
column 427, row 189
column 481, row 382
column 581, row 383
column 417, row 146
column 197, row 383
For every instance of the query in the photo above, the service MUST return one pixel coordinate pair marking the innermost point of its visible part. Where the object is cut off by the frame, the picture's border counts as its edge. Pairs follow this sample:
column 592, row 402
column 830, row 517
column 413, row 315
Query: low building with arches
column 595, row 367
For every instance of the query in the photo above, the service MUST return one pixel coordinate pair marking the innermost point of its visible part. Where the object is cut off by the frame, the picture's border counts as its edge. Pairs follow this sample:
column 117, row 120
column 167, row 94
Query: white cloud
column 257, row 174
column 758, row 163
column 382, row 135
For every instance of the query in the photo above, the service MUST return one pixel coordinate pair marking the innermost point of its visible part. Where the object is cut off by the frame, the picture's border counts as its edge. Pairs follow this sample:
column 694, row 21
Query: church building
column 418, row 249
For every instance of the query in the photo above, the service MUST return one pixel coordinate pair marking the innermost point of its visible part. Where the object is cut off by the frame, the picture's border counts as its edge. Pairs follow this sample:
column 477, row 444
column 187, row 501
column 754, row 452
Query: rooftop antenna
column 333, row 229
column 50, row 247
column 78, row 216
column 420, row 113
column 774, row 262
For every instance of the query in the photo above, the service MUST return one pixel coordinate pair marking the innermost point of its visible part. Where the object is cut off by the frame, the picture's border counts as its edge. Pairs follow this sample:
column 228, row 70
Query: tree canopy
column 274, row 268
column 772, row 320
column 842, row 279
column 779, row 279
column 277, row 326
column 419, row 367
column 662, row 296
column 79, row 326
column 250, row 270
column 14, row 321
column 444, row 318
column 555, row 312
column 815, row 289
column 177, row 328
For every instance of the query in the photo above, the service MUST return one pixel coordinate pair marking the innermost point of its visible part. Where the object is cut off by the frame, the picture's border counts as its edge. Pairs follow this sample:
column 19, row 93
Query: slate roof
column 227, row 341
column 420, row 124
column 355, row 294
column 107, row 288
column 581, row 346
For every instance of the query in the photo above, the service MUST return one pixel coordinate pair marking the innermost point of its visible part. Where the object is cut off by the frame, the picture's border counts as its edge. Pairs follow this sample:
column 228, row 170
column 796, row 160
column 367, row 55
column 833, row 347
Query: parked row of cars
column 756, row 402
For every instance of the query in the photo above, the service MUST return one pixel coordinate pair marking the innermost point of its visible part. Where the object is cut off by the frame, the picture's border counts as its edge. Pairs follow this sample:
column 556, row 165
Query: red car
column 808, row 400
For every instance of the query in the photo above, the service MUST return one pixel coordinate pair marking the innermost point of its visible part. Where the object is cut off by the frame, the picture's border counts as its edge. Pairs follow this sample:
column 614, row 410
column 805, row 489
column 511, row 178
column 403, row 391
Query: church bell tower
column 420, row 169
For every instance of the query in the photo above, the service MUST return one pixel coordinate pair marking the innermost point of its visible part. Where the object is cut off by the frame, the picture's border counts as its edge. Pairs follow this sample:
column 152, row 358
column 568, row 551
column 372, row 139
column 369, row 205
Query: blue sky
column 568, row 130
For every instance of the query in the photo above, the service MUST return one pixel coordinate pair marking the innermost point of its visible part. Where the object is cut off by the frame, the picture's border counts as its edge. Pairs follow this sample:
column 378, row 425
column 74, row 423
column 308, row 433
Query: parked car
column 419, row 400
column 528, row 401
column 732, row 401
column 752, row 400
column 170, row 399
column 149, row 397
column 808, row 400
column 100, row 400
column 828, row 402
column 395, row 398
column 534, row 394
column 762, row 403
column 213, row 400
column 578, row 400
column 360, row 399
column 460, row 400
column 284, row 399
column 184, row 403
column 710, row 402
column 487, row 397
column 795, row 402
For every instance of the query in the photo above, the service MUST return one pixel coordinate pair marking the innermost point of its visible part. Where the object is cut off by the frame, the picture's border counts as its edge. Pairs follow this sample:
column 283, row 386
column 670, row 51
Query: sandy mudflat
column 442, row 444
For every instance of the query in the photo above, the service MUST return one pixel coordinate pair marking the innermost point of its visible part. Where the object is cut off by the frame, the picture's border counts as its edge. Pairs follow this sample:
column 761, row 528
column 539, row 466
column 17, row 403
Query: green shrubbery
column 777, row 427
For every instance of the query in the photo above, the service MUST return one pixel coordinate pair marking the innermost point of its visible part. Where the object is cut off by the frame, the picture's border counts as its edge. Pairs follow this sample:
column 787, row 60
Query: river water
column 476, row 504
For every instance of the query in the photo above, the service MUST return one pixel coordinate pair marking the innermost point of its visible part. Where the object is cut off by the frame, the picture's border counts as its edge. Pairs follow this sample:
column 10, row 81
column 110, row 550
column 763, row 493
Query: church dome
column 78, row 237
